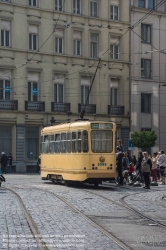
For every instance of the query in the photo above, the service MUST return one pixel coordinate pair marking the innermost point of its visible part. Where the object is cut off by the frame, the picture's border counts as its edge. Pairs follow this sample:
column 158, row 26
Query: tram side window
column 46, row 144
column 79, row 142
column 69, row 142
column 57, row 143
column 63, row 143
column 85, row 141
column 74, row 145
column 51, row 144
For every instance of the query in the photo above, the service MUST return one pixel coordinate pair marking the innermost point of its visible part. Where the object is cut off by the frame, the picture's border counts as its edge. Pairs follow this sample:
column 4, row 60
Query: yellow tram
column 80, row 151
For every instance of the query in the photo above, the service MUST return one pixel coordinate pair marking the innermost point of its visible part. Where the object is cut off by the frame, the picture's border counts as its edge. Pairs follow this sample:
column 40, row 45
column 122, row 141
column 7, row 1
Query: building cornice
column 144, row 11
column 62, row 13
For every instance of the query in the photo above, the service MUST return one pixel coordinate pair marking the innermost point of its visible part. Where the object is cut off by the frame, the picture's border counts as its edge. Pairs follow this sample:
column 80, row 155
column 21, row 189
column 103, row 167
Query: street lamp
column 52, row 121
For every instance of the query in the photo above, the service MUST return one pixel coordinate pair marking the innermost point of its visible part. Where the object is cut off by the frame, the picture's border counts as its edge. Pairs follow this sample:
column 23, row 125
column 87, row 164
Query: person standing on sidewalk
column 9, row 162
column 146, row 166
column 4, row 162
column 154, row 167
column 120, row 146
column 138, row 165
column 119, row 156
column 161, row 163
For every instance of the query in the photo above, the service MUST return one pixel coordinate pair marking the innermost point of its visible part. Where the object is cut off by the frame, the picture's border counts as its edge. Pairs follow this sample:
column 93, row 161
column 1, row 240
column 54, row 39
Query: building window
column 59, row 41
column 94, row 8
column 149, row 4
column 5, row 33
column 114, row 96
column 94, row 46
column 145, row 103
column 145, row 68
column 58, row 92
column 33, row 3
column 85, row 85
column 4, row 89
column 77, row 6
column 32, row 91
column 114, row 12
column 59, row 5
column 33, row 37
column 165, row 5
column 77, row 43
column 114, row 48
column 84, row 94
column 146, row 33
column 5, row 1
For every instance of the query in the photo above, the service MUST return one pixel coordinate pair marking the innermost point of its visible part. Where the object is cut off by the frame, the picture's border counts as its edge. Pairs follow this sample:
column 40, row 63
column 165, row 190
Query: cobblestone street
column 95, row 219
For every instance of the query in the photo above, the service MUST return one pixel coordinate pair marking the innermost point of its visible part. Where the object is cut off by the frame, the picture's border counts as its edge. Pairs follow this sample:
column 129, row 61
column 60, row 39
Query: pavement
column 63, row 228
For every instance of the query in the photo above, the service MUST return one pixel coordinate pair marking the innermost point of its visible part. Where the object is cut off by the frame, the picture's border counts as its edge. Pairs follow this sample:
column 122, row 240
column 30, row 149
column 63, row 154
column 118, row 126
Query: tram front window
column 101, row 141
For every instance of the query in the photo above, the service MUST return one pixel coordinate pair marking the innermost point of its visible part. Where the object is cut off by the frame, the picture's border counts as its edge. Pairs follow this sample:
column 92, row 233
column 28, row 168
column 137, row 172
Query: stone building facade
column 48, row 56
column 148, row 75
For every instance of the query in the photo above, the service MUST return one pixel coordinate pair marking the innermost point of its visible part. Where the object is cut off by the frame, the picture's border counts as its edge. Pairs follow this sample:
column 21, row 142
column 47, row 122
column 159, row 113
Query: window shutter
column 2, row 38
column 60, row 93
column 29, row 91
column 55, row 92
column 1, row 89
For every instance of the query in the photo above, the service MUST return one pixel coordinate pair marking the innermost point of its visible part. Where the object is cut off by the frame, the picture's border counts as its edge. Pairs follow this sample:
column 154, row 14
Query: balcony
column 34, row 106
column 8, row 105
column 60, row 107
column 90, row 108
column 115, row 110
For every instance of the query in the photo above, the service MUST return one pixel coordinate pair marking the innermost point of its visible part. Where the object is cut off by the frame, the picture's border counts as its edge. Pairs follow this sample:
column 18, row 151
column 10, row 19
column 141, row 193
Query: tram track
column 123, row 203
column 30, row 221
column 105, row 232
column 117, row 241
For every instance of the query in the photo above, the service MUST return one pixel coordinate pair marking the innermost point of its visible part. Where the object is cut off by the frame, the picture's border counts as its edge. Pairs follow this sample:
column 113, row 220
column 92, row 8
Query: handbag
column 145, row 167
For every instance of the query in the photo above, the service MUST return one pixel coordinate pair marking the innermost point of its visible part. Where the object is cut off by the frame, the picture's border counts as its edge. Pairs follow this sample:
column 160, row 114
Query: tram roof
column 67, row 126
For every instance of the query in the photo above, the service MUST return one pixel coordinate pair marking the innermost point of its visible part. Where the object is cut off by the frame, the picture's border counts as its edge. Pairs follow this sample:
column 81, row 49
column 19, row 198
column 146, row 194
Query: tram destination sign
column 101, row 126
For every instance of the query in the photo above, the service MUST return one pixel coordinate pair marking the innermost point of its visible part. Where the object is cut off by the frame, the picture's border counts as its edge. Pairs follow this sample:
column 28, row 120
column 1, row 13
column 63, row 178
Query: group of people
column 145, row 165
column 6, row 162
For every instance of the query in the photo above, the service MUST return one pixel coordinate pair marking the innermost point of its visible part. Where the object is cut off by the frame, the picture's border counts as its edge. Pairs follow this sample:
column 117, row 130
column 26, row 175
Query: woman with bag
column 146, row 166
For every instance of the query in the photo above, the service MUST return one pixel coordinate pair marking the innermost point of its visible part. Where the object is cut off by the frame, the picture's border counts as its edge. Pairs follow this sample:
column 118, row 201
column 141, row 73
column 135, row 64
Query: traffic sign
column 130, row 145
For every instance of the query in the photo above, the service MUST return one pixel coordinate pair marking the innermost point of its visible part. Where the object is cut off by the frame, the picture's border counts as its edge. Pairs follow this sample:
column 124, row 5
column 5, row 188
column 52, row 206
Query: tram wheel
column 67, row 183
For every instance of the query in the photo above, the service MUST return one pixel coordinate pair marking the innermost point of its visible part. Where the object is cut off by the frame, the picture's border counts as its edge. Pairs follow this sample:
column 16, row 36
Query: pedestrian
column 154, row 167
column 4, row 162
column 161, row 163
column 125, row 161
column 158, row 170
column 119, row 145
column 138, row 165
column 38, row 164
column 119, row 156
column 133, row 160
column 10, row 159
column 129, row 157
column 146, row 166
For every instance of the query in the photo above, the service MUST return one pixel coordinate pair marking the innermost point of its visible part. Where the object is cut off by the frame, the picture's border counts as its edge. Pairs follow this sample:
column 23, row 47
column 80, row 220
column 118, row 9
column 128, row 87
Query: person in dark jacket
column 133, row 160
column 138, row 165
column 4, row 162
column 38, row 165
column 10, row 158
column 146, row 167
column 119, row 156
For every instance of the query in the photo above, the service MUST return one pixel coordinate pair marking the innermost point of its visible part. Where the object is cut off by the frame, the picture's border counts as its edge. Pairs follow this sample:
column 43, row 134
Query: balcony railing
column 115, row 110
column 34, row 106
column 8, row 105
column 90, row 108
column 60, row 107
